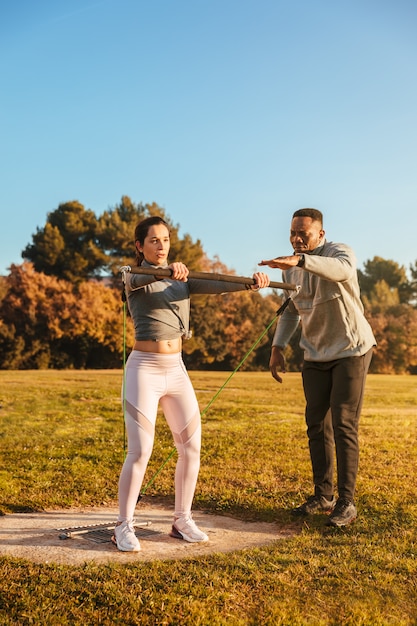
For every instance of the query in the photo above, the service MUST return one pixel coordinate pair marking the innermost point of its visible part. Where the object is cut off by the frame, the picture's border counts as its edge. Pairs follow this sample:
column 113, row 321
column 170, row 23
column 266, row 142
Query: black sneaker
column 344, row 513
column 315, row 504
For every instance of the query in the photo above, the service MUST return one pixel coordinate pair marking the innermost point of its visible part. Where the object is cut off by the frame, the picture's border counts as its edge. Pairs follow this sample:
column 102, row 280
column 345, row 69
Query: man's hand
column 276, row 362
column 282, row 262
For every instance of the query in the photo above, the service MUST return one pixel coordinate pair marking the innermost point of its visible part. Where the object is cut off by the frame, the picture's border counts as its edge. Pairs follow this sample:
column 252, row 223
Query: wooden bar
column 227, row 278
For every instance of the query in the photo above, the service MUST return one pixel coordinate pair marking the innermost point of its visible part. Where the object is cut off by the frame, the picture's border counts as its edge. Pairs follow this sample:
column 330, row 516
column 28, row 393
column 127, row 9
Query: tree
column 116, row 229
column 395, row 330
column 3, row 287
column 394, row 324
column 33, row 299
column 413, row 283
column 394, row 275
column 48, row 322
column 225, row 326
column 76, row 245
column 381, row 297
column 67, row 246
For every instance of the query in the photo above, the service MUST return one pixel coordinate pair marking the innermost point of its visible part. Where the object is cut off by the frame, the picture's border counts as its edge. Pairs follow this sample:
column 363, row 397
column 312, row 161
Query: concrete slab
column 41, row 537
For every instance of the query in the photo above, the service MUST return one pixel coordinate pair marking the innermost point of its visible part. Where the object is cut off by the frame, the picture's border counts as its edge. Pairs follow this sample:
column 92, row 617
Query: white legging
column 151, row 379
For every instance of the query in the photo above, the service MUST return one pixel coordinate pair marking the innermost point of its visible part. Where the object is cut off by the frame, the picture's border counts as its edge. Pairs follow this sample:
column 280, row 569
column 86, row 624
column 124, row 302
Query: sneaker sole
column 176, row 534
column 113, row 540
column 331, row 522
column 298, row 513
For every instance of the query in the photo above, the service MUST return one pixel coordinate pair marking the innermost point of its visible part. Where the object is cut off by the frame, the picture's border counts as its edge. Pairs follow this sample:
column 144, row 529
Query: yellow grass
column 61, row 444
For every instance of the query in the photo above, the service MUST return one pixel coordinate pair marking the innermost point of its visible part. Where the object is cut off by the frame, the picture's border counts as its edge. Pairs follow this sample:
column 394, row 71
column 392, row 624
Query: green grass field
column 62, row 445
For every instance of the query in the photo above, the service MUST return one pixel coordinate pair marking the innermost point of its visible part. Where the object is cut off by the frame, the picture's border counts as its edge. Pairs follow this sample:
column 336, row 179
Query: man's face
column 306, row 234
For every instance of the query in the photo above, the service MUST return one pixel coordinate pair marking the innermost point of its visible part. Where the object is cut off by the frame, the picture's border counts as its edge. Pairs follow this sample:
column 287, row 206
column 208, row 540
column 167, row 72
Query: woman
column 155, row 373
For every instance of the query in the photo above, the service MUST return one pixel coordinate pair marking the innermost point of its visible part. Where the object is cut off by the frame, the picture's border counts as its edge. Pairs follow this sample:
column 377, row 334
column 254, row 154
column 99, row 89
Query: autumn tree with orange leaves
column 62, row 308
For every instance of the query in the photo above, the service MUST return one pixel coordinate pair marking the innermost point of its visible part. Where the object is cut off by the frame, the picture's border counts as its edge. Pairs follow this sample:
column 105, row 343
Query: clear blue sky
column 230, row 114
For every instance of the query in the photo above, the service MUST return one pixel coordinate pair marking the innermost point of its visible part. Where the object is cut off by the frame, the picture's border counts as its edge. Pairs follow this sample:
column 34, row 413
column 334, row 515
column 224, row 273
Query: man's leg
column 317, row 383
column 346, row 401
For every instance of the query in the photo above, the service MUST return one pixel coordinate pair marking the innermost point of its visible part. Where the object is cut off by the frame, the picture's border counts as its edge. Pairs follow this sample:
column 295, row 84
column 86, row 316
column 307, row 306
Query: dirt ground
column 75, row 536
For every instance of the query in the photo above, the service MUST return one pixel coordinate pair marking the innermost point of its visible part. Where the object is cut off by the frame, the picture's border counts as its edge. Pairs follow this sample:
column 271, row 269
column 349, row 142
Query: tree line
column 63, row 307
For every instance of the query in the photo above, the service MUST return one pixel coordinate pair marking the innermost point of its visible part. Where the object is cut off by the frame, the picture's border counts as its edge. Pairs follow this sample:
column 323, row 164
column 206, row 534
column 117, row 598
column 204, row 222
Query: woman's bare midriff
column 167, row 346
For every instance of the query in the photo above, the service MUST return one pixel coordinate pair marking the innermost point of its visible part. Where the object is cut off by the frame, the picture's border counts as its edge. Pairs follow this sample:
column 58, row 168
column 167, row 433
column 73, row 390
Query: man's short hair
column 315, row 214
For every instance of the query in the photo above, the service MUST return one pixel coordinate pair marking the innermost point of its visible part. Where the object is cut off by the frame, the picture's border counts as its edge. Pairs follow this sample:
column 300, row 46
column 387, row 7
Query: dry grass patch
column 61, row 444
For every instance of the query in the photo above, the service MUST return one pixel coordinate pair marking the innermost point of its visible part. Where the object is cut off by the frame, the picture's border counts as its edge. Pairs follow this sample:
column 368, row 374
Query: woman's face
column 155, row 248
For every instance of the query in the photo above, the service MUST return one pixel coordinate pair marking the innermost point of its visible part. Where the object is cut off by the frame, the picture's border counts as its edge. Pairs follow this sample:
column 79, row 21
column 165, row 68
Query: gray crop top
column 160, row 309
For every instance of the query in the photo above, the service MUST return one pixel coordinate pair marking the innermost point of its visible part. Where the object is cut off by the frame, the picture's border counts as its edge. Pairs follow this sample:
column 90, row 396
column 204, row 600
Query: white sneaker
column 186, row 528
column 124, row 537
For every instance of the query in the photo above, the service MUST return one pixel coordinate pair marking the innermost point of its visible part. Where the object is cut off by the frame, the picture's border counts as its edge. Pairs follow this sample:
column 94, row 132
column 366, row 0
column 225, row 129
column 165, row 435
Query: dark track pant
column 334, row 396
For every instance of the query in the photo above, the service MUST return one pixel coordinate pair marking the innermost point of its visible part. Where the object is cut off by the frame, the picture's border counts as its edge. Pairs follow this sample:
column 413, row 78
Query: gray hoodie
column 333, row 324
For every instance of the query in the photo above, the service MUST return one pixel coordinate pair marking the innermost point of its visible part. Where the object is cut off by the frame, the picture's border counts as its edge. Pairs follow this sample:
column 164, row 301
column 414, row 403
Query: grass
column 62, row 445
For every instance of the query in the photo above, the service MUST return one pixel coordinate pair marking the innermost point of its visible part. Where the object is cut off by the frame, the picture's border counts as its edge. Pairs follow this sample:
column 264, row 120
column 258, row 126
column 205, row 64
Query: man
column 337, row 342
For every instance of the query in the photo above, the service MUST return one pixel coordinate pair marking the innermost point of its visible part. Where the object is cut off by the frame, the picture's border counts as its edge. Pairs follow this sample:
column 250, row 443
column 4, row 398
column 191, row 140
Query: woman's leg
column 143, row 387
column 182, row 413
